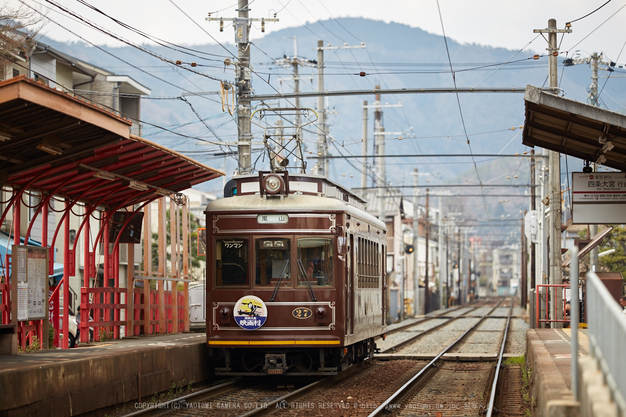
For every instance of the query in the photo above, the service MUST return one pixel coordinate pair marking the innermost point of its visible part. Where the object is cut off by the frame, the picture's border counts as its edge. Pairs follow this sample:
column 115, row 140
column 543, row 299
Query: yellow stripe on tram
column 317, row 342
column 229, row 342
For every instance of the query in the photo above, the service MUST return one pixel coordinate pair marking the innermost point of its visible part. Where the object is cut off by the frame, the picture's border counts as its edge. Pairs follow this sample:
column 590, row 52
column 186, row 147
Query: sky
column 497, row 23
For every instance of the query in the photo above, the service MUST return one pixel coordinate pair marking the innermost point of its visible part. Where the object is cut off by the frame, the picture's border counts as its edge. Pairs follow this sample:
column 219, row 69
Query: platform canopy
column 573, row 128
column 55, row 143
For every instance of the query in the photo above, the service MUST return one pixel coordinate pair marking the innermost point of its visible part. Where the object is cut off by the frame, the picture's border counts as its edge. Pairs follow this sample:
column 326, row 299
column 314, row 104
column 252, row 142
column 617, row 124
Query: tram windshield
column 272, row 261
column 316, row 256
column 231, row 262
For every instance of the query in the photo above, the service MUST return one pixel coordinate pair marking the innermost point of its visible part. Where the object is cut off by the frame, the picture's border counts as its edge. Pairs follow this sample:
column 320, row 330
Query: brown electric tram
column 296, row 280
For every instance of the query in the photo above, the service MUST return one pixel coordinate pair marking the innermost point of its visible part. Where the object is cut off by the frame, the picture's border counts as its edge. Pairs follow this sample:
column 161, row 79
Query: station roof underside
column 573, row 128
column 55, row 143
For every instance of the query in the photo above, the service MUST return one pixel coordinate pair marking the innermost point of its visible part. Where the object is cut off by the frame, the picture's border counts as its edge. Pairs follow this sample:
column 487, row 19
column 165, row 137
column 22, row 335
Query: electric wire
column 127, row 42
column 590, row 13
column 459, row 104
column 598, row 27
column 611, row 73
column 158, row 41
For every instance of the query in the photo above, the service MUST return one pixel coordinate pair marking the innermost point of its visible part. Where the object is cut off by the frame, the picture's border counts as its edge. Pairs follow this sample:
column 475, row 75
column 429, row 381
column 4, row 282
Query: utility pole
column 442, row 270
column 364, row 166
column 322, row 145
column 379, row 145
column 243, row 79
column 554, row 169
column 427, row 306
column 532, row 209
column 448, row 260
column 458, row 267
column 294, row 63
column 416, row 269
column 296, row 89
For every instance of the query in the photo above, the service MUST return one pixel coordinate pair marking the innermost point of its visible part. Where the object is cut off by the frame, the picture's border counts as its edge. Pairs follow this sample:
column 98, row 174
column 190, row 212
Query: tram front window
column 231, row 262
column 316, row 256
column 272, row 261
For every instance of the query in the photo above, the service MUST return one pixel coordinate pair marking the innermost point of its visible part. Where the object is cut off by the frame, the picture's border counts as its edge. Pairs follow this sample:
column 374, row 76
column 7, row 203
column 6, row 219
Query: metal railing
column 544, row 307
column 607, row 337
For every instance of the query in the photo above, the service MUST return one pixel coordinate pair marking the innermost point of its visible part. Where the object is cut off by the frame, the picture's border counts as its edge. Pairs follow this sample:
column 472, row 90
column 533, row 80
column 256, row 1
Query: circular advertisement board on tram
column 250, row 312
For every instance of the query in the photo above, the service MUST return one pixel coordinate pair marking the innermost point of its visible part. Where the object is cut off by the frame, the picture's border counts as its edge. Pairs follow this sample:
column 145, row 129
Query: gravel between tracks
column 359, row 395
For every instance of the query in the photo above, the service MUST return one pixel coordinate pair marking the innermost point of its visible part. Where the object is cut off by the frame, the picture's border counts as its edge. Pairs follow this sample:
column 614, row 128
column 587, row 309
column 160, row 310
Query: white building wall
column 44, row 66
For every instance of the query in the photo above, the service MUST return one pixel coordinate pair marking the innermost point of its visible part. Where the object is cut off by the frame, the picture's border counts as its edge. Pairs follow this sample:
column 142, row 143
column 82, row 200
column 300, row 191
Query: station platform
column 71, row 382
column 548, row 358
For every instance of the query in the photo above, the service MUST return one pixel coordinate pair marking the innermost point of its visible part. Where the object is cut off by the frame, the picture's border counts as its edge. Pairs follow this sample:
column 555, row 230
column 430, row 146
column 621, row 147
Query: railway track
column 450, row 388
column 408, row 334
column 403, row 387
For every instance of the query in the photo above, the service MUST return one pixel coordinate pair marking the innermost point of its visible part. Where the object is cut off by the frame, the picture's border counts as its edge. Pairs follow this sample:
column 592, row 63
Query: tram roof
column 573, row 128
column 290, row 203
column 53, row 142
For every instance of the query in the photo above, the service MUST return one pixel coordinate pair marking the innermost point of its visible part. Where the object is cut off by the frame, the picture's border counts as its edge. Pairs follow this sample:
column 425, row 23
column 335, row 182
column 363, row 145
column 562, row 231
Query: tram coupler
column 275, row 363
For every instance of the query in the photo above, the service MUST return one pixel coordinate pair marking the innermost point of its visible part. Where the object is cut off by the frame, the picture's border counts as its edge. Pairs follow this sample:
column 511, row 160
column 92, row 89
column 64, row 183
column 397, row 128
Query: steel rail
column 169, row 405
column 271, row 405
column 492, row 398
column 425, row 332
column 402, row 390
column 425, row 318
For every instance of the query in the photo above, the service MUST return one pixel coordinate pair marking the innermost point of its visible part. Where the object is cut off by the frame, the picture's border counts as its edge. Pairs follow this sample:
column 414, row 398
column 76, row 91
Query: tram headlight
column 224, row 312
column 320, row 312
column 273, row 184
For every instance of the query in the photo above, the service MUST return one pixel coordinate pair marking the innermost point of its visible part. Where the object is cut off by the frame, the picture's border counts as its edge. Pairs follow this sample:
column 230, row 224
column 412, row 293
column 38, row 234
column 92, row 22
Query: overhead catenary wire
column 129, row 43
column 459, row 101
column 590, row 13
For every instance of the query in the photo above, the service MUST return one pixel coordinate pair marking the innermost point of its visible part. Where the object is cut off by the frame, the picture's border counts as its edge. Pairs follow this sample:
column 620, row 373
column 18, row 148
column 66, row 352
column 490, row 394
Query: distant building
column 506, row 270
column 398, row 214
column 116, row 93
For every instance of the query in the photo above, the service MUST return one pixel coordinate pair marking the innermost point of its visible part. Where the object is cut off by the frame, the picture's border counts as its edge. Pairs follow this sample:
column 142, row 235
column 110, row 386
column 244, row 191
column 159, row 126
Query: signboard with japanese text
column 598, row 197
column 250, row 312
column 32, row 282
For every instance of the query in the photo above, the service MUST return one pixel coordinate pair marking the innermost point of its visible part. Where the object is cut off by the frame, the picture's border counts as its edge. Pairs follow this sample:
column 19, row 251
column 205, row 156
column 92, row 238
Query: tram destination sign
column 599, row 197
column 272, row 218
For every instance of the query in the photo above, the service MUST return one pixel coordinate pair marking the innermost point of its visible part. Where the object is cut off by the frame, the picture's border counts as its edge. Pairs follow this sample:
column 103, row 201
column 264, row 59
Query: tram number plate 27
column 302, row 313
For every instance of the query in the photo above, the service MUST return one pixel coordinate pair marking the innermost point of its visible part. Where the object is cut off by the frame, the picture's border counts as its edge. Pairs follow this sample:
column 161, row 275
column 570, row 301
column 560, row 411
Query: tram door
column 349, row 298
column 383, row 280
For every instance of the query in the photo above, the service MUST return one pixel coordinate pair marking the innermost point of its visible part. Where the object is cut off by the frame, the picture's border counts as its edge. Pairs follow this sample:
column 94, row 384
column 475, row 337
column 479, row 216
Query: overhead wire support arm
column 417, row 90
column 440, row 155
column 449, row 186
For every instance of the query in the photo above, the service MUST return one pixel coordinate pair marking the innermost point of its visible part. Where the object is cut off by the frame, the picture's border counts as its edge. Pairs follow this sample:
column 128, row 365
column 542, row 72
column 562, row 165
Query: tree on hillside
column 616, row 261
column 18, row 29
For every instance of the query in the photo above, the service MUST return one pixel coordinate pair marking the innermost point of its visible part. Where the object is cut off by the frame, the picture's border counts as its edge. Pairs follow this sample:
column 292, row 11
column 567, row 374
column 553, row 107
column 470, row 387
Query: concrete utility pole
column 379, row 145
column 427, row 306
column 416, row 269
column 322, row 129
column 322, row 145
column 294, row 63
column 243, row 78
column 364, row 167
column 554, row 169
column 532, row 208
column 442, row 264
column 244, row 87
column 296, row 89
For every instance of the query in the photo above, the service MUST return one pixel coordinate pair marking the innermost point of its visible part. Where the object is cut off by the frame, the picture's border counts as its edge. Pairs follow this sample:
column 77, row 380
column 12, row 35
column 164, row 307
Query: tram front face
column 272, row 280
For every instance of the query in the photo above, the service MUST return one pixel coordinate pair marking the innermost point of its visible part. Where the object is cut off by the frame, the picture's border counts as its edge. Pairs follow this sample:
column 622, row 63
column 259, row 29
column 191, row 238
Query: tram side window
column 272, row 261
column 316, row 255
column 231, row 262
column 368, row 262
